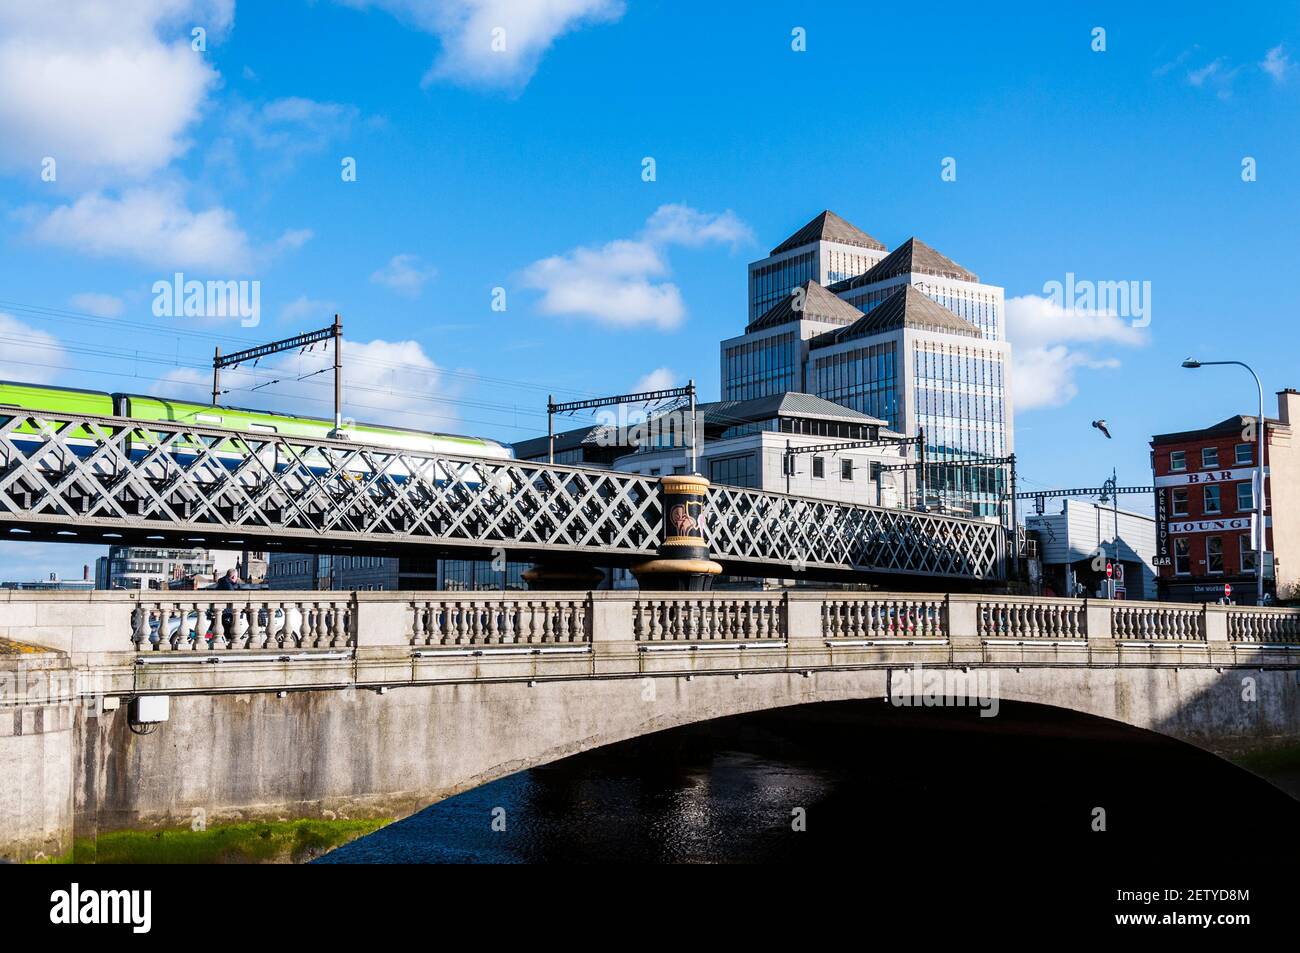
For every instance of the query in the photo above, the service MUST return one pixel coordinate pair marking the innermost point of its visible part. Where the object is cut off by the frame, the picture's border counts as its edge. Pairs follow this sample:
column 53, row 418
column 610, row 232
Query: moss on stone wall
column 251, row 843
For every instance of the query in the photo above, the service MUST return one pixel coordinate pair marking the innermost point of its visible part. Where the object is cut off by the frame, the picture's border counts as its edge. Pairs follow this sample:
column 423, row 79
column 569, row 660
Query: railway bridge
column 145, row 711
column 88, row 479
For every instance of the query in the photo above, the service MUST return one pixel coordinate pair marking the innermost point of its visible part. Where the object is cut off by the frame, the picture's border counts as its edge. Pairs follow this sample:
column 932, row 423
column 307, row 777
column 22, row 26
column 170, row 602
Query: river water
column 854, row 779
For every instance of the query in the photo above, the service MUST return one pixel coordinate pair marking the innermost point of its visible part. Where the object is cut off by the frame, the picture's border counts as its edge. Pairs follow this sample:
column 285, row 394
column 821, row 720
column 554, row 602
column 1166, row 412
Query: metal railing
column 70, row 478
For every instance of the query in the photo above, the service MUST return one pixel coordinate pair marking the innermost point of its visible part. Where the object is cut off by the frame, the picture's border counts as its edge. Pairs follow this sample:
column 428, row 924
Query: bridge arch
column 362, row 753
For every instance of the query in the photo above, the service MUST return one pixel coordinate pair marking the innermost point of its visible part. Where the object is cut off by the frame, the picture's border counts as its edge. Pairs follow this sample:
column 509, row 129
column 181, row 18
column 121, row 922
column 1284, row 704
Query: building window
column 1183, row 556
column 1214, row 554
column 846, row 469
column 1211, row 499
column 1247, row 554
column 734, row 471
column 1245, row 497
column 1209, row 457
column 819, row 468
column 1244, row 457
column 1179, row 502
column 1178, row 459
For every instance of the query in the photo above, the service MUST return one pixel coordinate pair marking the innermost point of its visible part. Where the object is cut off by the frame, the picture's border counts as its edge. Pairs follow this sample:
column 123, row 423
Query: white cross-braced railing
column 109, row 472
column 60, row 473
column 803, row 533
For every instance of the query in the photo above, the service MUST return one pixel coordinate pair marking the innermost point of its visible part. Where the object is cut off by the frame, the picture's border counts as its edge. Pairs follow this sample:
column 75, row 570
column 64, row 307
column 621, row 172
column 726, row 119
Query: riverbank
column 271, row 842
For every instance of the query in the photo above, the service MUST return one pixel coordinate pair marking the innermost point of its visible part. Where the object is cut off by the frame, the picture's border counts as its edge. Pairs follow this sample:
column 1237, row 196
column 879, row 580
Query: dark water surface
column 872, row 782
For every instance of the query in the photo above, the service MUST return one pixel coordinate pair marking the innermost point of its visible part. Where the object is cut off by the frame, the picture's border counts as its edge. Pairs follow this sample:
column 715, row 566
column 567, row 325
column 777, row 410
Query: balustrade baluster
column 253, row 635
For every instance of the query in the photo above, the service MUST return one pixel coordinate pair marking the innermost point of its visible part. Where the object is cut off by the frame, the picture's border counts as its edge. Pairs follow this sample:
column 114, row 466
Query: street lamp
column 1258, row 485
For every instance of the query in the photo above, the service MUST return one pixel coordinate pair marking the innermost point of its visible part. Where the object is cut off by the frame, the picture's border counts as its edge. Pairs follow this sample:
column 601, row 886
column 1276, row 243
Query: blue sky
column 522, row 169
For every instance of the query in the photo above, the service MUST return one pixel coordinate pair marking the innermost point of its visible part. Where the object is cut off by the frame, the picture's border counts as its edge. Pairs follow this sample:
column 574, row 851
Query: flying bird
column 1101, row 425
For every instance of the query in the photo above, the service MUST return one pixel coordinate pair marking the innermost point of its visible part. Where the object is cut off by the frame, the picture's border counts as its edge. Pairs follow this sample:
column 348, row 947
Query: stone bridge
column 127, row 711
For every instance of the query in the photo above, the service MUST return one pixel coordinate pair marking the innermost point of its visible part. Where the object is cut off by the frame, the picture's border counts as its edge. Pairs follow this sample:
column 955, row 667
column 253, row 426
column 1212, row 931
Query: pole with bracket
column 338, row 377
column 216, row 375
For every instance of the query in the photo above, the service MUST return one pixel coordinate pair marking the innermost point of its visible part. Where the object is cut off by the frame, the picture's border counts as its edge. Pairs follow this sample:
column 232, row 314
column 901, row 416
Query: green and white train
column 56, row 401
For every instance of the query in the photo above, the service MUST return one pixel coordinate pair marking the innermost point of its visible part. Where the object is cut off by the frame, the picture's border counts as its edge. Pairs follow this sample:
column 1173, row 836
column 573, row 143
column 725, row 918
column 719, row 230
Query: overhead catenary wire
column 154, row 328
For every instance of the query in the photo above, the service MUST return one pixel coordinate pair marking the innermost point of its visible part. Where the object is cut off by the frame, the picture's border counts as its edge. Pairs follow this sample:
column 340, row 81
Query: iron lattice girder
column 109, row 472
column 754, row 526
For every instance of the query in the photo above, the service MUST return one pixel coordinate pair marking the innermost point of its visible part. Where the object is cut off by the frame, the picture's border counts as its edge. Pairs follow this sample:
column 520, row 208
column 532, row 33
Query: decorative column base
column 677, row 575
column 683, row 564
column 562, row 577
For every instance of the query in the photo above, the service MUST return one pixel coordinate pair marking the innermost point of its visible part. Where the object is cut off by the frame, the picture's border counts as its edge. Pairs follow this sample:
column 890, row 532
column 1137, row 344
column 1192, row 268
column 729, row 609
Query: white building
column 912, row 338
column 1076, row 544
column 747, row 443
column 826, row 250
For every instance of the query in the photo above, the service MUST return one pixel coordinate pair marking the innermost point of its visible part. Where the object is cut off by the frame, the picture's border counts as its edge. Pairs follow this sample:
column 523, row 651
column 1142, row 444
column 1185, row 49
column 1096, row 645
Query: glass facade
column 740, row 470
column 960, row 403
column 865, row 379
column 846, row 264
column 978, row 306
column 465, row 575
column 761, row 367
column 772, row 282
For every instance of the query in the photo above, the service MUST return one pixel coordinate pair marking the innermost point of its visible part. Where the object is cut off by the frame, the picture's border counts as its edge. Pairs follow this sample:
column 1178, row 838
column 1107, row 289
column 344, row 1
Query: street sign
column 1110, row 570
column 1227, row 588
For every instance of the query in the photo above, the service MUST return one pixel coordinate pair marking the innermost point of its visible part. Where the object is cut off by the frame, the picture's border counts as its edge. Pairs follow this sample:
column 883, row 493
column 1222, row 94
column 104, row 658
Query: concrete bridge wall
column 424, row 695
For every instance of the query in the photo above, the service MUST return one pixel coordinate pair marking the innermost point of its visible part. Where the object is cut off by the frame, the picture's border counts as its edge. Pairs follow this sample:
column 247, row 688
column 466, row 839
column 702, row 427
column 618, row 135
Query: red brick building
column 1205, row 508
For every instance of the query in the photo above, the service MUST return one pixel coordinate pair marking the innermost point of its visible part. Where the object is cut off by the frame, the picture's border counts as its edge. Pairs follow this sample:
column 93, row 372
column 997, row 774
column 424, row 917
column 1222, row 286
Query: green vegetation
column 252, row 843
column 1275, row 760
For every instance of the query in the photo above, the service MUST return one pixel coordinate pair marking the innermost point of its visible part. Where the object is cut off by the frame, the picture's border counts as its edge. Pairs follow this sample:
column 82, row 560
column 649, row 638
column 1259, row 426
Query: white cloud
column 1276, row 63
column 289, row 126
column 1197, row 77
column 383, row 382
column 405, row 274
column 1045, row 376
column 621, row 282
column 100, row 305
column 1045, row 365
column 107, row 90
column 614, row 283
column 27, row 354
column 466, row 28
column 661, row 378
column 151, row 225
column 155, row 226
column 1215, row 76
column 683, row 225
column 307, row 309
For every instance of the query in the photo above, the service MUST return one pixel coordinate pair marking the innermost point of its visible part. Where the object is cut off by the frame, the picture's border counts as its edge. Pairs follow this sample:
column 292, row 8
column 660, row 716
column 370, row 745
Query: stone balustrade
column 505, row 618
column 1016, row 619
column 707, row 617
column 872, row 616
column 1156, row 622
column 244, row 622
column 1263, row 625
column 117, row 629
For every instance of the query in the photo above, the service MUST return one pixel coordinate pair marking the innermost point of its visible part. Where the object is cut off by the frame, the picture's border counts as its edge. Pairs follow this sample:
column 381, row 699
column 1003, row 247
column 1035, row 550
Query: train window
column 261, row 428
column 207, row 418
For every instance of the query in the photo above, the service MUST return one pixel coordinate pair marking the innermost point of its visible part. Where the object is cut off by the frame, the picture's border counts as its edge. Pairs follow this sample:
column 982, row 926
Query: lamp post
column 1258, row 484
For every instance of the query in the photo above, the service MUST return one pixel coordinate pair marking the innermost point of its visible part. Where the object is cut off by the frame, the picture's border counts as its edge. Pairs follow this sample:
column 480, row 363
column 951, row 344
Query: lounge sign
column 1235, row 524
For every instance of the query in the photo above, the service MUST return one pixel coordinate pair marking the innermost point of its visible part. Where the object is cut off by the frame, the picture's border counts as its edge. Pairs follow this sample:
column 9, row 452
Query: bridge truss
column 106, row 479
